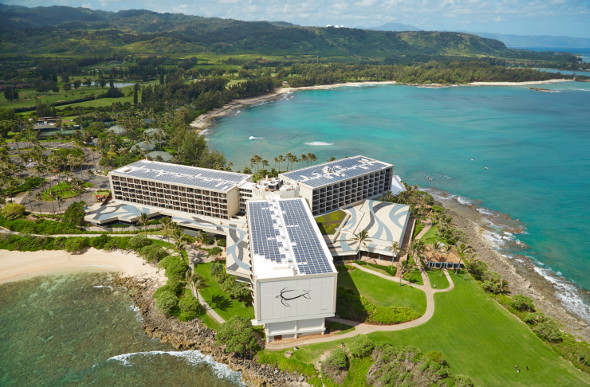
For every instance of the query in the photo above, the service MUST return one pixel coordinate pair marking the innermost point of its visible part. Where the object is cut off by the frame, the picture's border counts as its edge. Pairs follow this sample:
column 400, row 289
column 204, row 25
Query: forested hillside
column 66, row 31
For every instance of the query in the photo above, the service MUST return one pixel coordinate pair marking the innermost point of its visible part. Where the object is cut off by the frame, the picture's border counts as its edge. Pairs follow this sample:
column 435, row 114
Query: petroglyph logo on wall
column 290, row 295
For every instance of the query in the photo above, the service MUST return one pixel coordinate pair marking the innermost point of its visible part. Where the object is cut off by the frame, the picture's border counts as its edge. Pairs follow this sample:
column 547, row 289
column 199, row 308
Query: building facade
column 293, row 277
column 193, row 190
column 340, row 183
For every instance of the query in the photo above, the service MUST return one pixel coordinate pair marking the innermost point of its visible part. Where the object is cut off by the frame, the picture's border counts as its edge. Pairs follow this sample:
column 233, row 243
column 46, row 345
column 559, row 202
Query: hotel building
column 340, row 183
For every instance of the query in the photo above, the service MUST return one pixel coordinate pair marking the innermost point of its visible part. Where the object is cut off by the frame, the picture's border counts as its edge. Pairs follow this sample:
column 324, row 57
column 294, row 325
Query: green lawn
column 387, row 270
column 218, row 300
column 430, row 235
column 479, row 339
column 415, row 277
column 437, row 279
column 330, row 222
column 382, row 292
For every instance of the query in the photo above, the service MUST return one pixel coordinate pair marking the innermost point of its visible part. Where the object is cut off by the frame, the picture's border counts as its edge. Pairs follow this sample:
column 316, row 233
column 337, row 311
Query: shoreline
column 206, row 120
column 521, row 276
column 22, row 265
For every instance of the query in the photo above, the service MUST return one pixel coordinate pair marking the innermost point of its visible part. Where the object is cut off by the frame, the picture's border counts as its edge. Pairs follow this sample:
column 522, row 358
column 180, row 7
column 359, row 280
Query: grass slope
column 482, row 340
column 218, row 299
column 383, row 292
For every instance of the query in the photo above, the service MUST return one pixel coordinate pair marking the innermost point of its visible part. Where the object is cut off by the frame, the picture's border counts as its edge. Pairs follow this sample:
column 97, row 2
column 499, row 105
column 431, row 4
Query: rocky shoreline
column 195, row 336
column 522, row 279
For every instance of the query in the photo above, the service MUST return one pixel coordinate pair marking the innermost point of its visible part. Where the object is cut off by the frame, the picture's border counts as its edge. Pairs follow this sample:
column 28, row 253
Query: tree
column 74, row 214
column 13, row 211
column 238, row 336
column 167, row 302
column 135, row 93
column 469, row 261
column 362, row 238
column 167, row 227
column 394, row 247
column 77, row 84
column 11, row 93
column 404, row 267
column 143, row 219
column 522, row 303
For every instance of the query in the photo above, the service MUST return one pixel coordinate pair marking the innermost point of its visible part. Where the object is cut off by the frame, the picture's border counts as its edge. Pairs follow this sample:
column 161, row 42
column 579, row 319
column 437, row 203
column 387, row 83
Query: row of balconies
column 166, row 203
column 174, row 191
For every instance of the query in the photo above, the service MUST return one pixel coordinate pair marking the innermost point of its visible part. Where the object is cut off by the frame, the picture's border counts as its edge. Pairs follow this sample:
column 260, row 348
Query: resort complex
column 273, row 240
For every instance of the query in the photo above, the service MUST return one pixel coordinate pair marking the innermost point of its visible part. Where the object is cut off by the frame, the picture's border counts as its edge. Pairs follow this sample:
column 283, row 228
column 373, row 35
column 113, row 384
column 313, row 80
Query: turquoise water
column 535, row 145
column 83, row 330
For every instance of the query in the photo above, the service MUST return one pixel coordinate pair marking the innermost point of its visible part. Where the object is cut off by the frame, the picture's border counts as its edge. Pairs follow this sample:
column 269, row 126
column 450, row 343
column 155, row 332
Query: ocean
column 507, row 149
column 83, row 330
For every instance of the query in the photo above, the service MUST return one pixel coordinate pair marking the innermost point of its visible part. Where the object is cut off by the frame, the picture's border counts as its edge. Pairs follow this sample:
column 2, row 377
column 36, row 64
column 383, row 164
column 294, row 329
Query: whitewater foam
column 319, row 143
column 254, row 138
column 192, row 357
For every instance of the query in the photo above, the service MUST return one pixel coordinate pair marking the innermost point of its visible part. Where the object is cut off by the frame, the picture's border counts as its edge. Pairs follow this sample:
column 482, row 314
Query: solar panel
column 182, row 174
column 331, row 172
column 268, row 239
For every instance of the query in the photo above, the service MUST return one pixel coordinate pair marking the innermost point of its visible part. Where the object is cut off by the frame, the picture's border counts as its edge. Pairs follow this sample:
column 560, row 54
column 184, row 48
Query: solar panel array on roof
column 182, row 174
column 268, row 239
column 308, row 251
column 331, row 172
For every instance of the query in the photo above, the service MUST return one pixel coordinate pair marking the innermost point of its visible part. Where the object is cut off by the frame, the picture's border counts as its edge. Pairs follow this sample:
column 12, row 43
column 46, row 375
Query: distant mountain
column 540, row 41
column 67, row 31
column 391, row 26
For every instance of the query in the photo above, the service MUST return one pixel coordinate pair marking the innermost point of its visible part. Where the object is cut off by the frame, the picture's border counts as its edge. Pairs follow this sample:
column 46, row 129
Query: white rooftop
column 285, row 240
column 333, row 171
column 181, row 174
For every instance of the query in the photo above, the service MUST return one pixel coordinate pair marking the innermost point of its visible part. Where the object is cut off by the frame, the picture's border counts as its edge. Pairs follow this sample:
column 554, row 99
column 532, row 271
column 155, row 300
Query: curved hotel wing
column 293, row 277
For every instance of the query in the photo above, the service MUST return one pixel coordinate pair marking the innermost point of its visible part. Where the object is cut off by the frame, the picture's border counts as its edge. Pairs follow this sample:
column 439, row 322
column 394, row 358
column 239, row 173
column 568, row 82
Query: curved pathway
column 364, row 328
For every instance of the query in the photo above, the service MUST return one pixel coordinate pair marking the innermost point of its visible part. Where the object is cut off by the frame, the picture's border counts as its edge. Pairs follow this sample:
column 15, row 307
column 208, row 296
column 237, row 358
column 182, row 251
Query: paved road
column 363, row 328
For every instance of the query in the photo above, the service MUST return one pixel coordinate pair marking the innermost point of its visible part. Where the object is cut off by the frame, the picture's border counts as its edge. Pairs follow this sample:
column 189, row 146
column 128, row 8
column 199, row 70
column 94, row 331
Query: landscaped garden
column 218, row 299
column 329, row 223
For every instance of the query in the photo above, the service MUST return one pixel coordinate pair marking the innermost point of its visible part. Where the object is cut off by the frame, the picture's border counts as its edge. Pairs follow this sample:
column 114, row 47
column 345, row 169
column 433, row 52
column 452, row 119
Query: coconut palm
column 292, row 158
column 143, row 219
column 404, row 267
column 468, row 260
column 167, row 227
column 281, row 160
column 303, row 158
column 362, row 238
column 394, row 247
column 255, row 160
column 311, row 157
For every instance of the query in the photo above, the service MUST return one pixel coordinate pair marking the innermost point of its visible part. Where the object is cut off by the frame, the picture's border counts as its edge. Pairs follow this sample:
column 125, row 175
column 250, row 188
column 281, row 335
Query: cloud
column 431, row 14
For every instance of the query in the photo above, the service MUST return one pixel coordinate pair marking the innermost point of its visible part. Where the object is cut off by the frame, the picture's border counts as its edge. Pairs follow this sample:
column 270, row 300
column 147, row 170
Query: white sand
column 18, row 265
column 519, row 83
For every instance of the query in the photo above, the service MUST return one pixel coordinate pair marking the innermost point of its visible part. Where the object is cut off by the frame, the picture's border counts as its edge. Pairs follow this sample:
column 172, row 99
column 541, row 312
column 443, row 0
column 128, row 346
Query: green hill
column 67, row 31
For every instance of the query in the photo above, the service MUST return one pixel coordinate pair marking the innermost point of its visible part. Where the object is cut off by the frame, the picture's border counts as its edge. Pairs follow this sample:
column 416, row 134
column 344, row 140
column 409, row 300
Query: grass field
column 437, row 280
column 382, row 292
column 217, row 299
column 479, row 339
column 430, row 235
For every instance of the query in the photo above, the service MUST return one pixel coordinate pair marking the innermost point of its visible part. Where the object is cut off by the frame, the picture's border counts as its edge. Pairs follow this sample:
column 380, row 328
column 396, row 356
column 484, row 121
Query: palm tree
column 255, row 160
column 179, row 244
column 167, row 227
column 311, row 157
column 143, row 219
column 281, row 160
column 362, row 238
column 394, row 247
column 404, row 267
column 292, row 158
column 469, row 260
column 303, row 158
column 289, row 158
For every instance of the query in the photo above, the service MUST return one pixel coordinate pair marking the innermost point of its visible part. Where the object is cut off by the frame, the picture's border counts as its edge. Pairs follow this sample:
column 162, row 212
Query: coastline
column 521, row 276
column 21, row 265
column 206, row 120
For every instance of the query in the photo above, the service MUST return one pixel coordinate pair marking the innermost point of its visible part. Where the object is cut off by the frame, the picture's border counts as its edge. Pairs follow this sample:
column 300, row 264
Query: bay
column 510, row 149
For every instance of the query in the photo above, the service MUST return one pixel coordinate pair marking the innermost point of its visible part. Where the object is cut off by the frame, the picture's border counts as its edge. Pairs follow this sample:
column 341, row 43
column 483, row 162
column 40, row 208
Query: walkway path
column 364, row 328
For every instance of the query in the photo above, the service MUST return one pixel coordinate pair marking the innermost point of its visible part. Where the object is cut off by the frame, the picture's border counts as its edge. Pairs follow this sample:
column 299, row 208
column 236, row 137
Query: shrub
column 237, row 335
column 74, row 215
column 337, row 360
column 360, row 346
column 549, row 330
column 534, row 318
column 436, row 357
column 221, row 242
column 175, row 267
column 100, row 242
column 166, row 302
column 217, row 269
column 189, row 307
column 152, row 253
column 76, row 245
column 13, row 211
column 214, row 251
column 173, row 286
column 137, row 242
column 206, row 239
column 478, row 268
column 522, row 303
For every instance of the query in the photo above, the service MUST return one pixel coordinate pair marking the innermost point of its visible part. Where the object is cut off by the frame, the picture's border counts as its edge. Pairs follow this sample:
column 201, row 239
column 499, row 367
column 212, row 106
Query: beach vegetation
column 12, row 211
column 549, row 330
column 152, row 253
column 175, row 268
column 522, row 303
column 237, row 335
column 167, row 302
column 360, row 346
column 138, row 242
column 189, row 306
column 77, row 245
column 74, row 214
column 336, row 365
column 38, row 226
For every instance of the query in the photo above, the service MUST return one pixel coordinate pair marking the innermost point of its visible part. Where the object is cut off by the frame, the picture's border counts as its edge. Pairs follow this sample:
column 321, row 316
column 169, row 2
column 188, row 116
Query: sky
column 519, row 17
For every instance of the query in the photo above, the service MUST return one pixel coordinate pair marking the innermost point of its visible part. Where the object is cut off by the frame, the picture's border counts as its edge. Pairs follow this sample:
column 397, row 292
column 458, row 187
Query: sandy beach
column 19, row 265
column 206, row 120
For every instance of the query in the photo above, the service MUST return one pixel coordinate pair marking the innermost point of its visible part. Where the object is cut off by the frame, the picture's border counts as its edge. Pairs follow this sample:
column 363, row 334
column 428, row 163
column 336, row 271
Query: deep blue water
column 535, row 145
